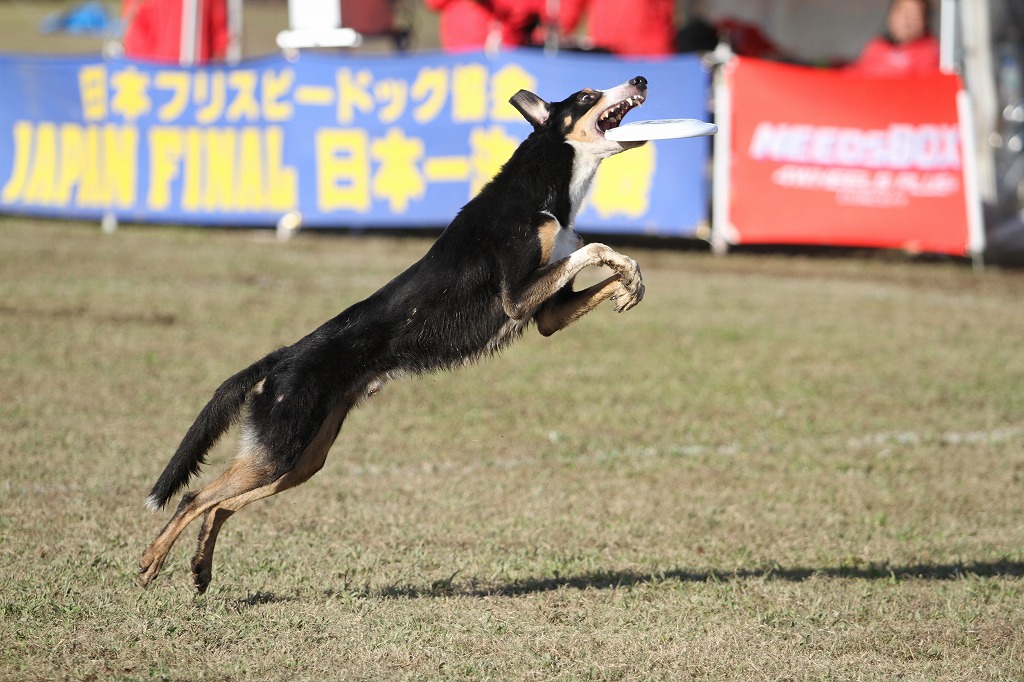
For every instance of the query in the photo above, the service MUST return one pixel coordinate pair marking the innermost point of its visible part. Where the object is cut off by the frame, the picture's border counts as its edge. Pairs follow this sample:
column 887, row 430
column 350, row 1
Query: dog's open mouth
column 612, row 117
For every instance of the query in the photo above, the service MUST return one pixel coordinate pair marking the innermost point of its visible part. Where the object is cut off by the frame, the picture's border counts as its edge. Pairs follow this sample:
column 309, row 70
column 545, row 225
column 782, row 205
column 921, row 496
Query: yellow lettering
column 72, row 156
column 343, row 170
column 392, row 94
column 165, row 150
column 398, row 178
column 91, row 190
column 429, row 93
column 221, row 144
column 178, row 83
column 244, row 105
column 23, row 134
column 44, row 167
column 212, row 88
column 131, row 93
column 469, row 82
column 622, row 186
column 281, row 180
column 71, row 164
column 250, row 169
column 120, row 153
column 92, row 85
column 221, row 169
column 505, row 83
column 192, row 185
column 274, row 88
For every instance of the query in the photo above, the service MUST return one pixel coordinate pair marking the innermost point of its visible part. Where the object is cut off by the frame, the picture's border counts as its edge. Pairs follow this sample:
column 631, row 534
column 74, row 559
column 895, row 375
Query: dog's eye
column 586, row 97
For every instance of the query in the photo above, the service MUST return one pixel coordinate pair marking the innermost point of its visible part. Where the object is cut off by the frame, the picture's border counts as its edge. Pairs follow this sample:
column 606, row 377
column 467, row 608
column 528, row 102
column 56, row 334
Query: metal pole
column 235, row 27
column 979, row 77
column 721, row 228
column 552, row 34
column 975, row 220
column 948, row 36
column 189, row 25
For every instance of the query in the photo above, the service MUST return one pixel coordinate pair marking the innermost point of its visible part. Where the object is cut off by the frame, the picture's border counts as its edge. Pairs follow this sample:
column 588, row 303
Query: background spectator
column 748, row 40
column 906, row 47
column 625, row 27
column 697, row 34
column 485, row 24
column 153, row 30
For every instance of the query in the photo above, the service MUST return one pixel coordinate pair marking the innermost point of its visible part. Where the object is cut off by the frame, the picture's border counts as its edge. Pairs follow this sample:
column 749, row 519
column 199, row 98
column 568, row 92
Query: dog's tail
column 217, row 417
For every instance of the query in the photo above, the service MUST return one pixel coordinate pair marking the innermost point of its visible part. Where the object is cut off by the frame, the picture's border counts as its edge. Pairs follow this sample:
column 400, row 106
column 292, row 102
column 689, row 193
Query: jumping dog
column 509, row 257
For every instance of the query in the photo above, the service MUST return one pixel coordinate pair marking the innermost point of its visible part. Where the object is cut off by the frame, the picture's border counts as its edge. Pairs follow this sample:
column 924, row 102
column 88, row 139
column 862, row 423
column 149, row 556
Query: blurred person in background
column 907, row 46
column 697, row 34
column 623, row 27
column 153, row 30
column 466, row 25
column 747, row 39
column 387, row 19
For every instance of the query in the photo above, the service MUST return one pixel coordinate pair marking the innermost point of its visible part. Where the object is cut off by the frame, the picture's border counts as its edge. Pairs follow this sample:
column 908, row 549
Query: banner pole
column 972, row 194
column 552, row 33
column 235, row 27
column 189, row 30
column 948, row 36
column 722, row 143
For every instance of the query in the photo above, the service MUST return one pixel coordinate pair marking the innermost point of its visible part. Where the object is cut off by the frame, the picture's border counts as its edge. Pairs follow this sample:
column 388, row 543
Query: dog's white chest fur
column 584, row 166
column 566, row 241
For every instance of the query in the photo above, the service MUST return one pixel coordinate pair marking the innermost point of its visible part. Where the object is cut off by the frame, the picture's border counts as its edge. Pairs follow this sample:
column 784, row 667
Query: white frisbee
column 661, row 129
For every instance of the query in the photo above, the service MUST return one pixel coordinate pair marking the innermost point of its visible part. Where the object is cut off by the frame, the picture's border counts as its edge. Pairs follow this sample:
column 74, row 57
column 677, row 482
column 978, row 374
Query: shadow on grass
column 625, row 579
column 260, row 598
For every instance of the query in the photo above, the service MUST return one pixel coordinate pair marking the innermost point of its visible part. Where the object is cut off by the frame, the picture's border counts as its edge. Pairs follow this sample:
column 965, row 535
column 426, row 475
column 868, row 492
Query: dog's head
column 585, row 116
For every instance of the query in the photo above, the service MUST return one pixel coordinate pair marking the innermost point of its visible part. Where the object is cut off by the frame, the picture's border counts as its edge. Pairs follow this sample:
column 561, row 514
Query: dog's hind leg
column 202, row 561
column 311, row 461
column 244, row 474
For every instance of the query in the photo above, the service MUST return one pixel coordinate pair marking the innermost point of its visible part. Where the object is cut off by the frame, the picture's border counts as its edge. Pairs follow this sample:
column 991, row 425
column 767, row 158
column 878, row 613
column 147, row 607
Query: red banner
column 827, row 157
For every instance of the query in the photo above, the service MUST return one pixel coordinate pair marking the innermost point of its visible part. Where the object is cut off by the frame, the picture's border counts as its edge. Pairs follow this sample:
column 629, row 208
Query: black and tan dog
column 510, row 256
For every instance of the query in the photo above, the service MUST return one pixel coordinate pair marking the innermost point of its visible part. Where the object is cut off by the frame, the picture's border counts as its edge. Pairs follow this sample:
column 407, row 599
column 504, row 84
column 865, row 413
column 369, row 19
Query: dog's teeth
column 615, row 114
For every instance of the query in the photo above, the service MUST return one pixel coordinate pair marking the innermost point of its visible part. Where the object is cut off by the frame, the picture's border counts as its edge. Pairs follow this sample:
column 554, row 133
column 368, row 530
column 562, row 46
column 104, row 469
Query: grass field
column 774, row 468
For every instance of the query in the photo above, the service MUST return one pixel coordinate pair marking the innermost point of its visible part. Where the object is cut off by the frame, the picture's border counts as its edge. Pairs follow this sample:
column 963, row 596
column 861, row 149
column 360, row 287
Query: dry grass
column 774, row 468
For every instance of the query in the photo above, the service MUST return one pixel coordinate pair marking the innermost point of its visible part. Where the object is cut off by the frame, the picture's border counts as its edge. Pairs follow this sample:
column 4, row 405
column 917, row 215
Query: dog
column 509, row 257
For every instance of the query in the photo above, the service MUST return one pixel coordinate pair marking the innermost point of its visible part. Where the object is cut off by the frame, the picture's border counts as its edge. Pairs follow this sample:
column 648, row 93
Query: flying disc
column 661, row 129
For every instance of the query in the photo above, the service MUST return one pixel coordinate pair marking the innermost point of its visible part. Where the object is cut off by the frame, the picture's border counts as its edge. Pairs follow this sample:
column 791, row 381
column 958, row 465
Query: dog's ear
column 533, row 108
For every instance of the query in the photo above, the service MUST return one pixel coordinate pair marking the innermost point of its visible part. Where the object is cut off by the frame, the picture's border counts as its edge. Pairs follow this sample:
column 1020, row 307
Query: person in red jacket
column 907, row 47
column 478, row 24
column 153, row 30
column 624, row 27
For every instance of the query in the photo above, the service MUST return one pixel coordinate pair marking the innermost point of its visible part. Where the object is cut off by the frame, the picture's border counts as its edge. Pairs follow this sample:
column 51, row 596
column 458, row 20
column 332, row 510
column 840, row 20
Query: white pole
column 190, row 26
column 979, row 73
column 235, row 27
column 972, row 195
column 948, row 36
column 552, row 33
column 721, row 230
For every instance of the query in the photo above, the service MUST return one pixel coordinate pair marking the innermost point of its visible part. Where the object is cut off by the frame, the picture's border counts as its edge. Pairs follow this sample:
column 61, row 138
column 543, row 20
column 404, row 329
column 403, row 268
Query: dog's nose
column 639, row 81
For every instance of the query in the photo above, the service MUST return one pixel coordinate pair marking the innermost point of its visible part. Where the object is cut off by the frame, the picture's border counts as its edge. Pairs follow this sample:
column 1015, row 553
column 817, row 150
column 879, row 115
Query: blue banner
column 348, row 141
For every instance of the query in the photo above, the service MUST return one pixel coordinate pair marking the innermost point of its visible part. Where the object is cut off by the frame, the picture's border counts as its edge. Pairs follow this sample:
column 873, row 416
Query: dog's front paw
column 627, row 298
column 631, row 286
